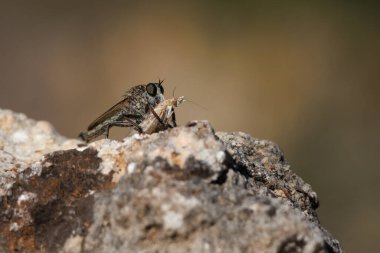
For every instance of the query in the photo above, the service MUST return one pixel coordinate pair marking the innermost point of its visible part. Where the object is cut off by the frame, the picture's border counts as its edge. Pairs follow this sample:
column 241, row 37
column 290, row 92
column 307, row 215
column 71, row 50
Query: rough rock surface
column 187, row 189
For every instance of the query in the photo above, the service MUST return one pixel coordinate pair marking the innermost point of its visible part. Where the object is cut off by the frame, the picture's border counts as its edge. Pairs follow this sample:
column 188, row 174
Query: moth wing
column 107, row 114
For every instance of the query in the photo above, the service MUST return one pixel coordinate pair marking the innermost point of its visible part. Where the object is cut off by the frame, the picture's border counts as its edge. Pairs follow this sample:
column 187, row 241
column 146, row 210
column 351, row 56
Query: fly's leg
column 129, row 123
column 136, row 126
column 156, row 116
column 174, row 120
column 83, row 136
column 107, row 130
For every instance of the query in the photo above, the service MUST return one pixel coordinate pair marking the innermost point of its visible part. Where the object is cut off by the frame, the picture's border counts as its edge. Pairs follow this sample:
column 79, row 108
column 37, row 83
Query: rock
column 186, row 189
column 265, row 168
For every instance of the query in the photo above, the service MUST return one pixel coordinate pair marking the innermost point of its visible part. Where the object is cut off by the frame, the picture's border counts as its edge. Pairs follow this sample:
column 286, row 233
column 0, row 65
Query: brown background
column 303, row 75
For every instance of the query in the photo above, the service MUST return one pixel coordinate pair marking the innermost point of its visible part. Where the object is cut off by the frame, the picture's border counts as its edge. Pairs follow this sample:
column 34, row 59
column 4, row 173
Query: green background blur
column 303, row 75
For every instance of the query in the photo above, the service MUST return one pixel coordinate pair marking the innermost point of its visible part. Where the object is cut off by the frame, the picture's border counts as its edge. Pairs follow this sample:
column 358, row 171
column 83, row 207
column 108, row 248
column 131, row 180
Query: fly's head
column 155, row 93
column 141, row 97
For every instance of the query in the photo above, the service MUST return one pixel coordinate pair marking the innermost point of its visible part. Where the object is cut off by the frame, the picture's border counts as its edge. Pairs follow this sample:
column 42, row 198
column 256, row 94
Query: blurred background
column 303, row 75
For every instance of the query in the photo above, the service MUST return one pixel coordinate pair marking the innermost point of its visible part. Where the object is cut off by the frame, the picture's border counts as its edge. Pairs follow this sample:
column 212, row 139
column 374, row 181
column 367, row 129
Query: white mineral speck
column 173, row 220
column 220, row 156
column 73, row 244
column 131, row 168
column 107, row 166
column 25, row 197
column 206, row 246
column 20, row 136
column 157, row 192
column 189, row 203
column 14, row 226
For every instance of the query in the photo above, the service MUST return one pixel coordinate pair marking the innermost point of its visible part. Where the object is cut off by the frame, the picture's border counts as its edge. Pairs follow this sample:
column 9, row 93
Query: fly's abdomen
column 100, row 128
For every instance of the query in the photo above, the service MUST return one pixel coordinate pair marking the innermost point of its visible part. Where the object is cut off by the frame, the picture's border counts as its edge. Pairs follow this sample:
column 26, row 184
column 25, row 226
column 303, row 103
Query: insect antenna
column 188, row 100
column 160, row 81
column 199, row 105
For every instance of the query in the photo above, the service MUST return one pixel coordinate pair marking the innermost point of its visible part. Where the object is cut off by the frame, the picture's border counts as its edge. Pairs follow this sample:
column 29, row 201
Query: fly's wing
column 117, row 108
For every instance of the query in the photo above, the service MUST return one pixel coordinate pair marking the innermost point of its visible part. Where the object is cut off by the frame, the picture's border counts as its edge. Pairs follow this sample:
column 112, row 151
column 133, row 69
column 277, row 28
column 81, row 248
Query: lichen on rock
column 185, row 189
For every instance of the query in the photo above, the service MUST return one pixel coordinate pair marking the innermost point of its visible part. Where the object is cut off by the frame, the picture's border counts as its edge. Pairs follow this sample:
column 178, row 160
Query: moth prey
column 166, row 116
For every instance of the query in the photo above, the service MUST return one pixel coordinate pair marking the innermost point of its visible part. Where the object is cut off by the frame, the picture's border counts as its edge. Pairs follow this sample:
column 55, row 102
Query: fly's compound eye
column 151, row 89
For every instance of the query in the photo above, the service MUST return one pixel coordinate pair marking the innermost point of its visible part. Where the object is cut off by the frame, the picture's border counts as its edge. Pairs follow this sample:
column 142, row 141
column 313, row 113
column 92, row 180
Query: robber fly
column 129, row 112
